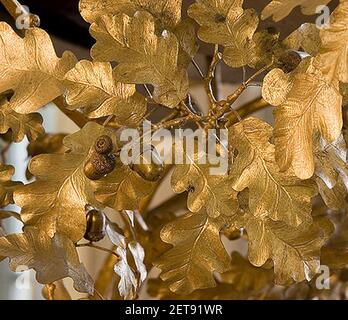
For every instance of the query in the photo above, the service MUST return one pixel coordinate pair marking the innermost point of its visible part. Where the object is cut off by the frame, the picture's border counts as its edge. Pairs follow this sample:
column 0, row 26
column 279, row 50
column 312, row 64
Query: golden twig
column 210, row 76
column 91, row 245
column 225, row 105
column 244, row 111
column 15, row 9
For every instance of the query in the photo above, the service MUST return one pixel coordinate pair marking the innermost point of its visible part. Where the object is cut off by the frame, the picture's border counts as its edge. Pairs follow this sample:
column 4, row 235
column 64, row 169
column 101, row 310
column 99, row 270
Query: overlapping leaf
column 242, row 281
column 306, row 104
column 93, row 88
column 52, row 258
column 21, row 125
column 29, row 66
column 307, row 37
column 333, row 54
column 332, row 171
column 207, row 191
column 197, row 253
column 272, row 193
column 246, row 278
column 295, row 252
column 123, row 189
column 226, row 23
column 56, row 201
column 167, row 14
column 7, row 186
column 280, row 9
column 143, row 57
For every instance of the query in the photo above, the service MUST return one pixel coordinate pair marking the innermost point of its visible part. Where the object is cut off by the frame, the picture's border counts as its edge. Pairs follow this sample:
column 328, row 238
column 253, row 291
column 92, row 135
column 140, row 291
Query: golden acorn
column 289, row 61
column 150, row 172
column 96, row 226
column 99, row 165
column 103, row 145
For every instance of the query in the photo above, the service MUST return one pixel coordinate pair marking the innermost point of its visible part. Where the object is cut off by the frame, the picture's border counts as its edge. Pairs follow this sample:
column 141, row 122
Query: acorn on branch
column 290, row 60
column 101, row 161
column 149, row 171
column 96, row 225
column 103, row 145
column 99, row 165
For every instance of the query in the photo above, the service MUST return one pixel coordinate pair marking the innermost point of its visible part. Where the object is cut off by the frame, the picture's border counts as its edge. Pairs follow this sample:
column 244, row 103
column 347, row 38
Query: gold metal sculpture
column 284, row 192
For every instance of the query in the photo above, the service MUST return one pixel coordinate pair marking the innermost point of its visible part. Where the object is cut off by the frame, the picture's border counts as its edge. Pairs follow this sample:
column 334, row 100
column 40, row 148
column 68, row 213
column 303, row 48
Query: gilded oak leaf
column 52, row 258
column 245, row 277
column 226, row 23
column 222, row 291
column 167, row 14
column 295, row 252
column 123, row 189
column 332, row 171
column 29, row 66
column 47, row 143
column 280, row 9
column 306, row 104
column 56, row 201
column 335, row 251
column 143, row 57
column 93, row 88
column 7, row 186
column 197, row 253
column 278, row 195
column 333, row 53
column 306, row 37
column 207, row 190
column 242, row 281
column 21, row 125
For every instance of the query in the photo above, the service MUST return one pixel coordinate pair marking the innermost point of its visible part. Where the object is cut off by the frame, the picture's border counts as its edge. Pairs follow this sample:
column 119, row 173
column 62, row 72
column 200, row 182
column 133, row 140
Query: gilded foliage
column 206, row 189
column 197, row 253
column 143, row 56
column 29, row 66
column 21, row 125
column 333, row 58
column 56, row 201
column 271, row 199
column 6, row 185
column 279, row 9
column 331, row 171
column 123, row 189
column 295, row 252
column 278, row 195
column 52, row 258
column 93, row 88
column 306, row 104
column 226, row 23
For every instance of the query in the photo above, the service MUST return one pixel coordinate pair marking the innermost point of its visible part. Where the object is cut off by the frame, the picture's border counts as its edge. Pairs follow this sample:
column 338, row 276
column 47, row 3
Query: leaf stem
column 210, row 76
column 244, row 111
column 225, row 105
column 198, row 68
column 91, row 245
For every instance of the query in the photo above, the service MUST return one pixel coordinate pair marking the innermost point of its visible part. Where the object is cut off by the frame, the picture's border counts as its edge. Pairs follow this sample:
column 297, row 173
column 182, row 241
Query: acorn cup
column 103, row 145
column 101, row 161
column 99, row 165
column 96, row 226
column 151, row 172
column 290, row 60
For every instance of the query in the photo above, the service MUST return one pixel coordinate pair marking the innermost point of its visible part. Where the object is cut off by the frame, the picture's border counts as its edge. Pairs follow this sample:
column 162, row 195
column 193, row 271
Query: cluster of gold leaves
column 274, row 173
